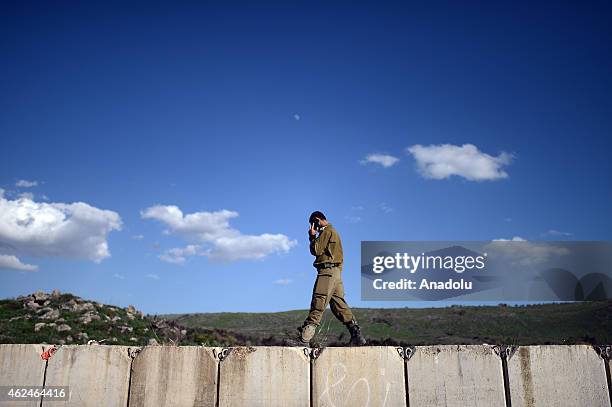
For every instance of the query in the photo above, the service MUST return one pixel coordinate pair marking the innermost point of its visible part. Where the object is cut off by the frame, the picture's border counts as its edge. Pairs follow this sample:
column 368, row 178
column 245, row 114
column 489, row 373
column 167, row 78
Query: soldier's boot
column 356, row 338
column 307, row 332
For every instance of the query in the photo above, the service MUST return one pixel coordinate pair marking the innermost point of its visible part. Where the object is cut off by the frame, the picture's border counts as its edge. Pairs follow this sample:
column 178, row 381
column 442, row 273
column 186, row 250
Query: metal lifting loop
column 504, row 351
column 223, row 354
column 604, row 351
column 133, row 352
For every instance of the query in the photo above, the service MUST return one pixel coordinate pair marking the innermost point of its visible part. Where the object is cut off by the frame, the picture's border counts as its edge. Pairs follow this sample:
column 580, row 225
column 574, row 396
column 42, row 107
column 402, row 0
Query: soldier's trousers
column 328, row 289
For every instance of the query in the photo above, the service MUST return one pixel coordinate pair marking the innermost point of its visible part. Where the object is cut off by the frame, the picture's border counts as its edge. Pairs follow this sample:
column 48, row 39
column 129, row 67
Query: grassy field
column 566, row 323
column 586, row 322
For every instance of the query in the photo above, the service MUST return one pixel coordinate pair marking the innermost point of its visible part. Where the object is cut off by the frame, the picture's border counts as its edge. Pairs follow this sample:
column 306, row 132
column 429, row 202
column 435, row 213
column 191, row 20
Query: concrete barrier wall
column 265, row 376
column 285, row 376
column 96, row 375
column 455, row 375
column 174, row 376
column 363, row 376
column 557, row 376
column 21, row 365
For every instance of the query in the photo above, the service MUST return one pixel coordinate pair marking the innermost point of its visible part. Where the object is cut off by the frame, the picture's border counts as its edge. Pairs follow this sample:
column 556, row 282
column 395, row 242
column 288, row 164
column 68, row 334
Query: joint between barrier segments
column 505, row 352
column 605, row 352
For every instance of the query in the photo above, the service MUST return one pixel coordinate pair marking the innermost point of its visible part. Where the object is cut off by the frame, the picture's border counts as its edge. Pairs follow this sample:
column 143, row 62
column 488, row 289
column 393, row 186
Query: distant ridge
column 63, row 318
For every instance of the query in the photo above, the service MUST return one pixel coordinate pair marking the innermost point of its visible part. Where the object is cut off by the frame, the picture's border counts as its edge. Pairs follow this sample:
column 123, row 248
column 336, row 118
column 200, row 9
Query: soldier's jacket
column 327, row 247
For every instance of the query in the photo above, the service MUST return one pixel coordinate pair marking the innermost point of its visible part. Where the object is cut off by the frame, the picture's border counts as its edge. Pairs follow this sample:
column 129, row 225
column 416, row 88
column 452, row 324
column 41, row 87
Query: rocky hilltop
column 62, row 318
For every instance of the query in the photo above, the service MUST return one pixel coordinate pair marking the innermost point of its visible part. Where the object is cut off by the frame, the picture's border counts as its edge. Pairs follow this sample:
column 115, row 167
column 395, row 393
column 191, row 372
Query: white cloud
column 8, row 262
column 153, row 276
column 23, row 183
column 443, row 160
column 138, row 237
column 385, row 208
column 249, row 247
column 514, row 239
column 213, row 236
column 385, row 160
column 119, row 276
column 522, row 252
column 353, row 219
column 178, row 255
column 282, row 281
column 75, row 230
column 26, row 195
column 296, row 117
column 553, row 232
column 197, row 226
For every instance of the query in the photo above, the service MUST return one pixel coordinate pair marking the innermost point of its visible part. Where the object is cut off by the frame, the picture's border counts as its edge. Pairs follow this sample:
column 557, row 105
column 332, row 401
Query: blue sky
column 443, row 121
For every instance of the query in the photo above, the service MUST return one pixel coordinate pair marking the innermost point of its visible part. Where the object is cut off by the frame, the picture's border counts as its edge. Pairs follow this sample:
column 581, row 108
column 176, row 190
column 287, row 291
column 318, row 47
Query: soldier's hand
column 312, row 231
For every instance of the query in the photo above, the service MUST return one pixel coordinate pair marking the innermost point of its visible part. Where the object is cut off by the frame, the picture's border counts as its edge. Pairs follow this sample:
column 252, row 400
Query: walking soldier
column 326, row 246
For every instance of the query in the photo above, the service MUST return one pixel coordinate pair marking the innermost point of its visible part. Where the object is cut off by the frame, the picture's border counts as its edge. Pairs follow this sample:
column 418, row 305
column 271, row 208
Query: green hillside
column 587, row 322
column 61, row 318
